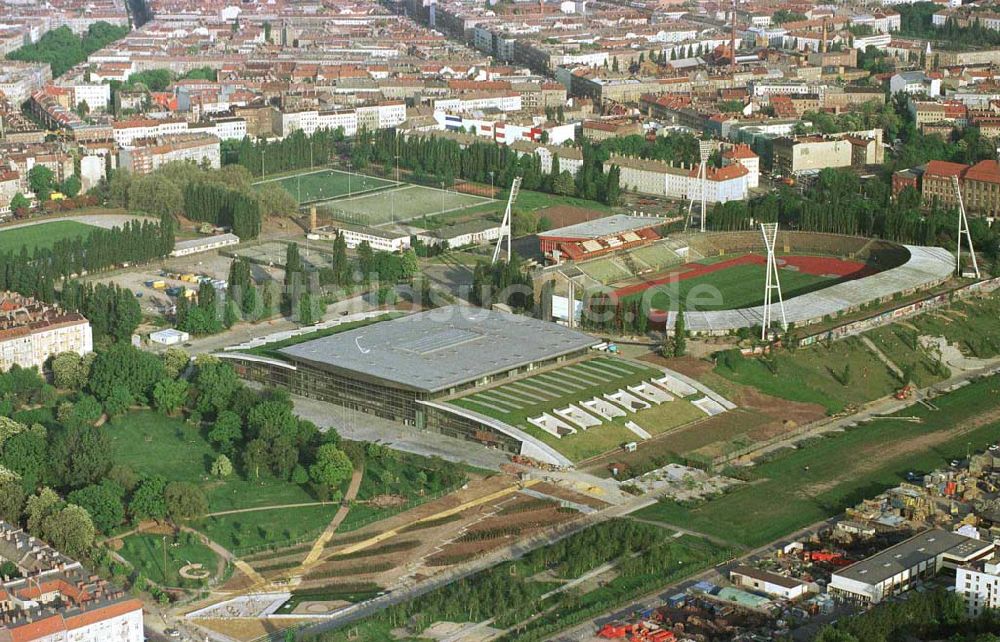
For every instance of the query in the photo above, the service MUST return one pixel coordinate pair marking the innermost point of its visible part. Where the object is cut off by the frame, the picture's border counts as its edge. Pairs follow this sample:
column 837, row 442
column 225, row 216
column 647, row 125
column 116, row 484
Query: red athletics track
column 815, row 265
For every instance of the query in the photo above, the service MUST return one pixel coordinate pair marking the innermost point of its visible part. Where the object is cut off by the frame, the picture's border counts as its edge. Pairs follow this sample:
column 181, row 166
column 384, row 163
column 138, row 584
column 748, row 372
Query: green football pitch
column 326, row 184
column 42, row 235
column 740, row 286
column 399, row 204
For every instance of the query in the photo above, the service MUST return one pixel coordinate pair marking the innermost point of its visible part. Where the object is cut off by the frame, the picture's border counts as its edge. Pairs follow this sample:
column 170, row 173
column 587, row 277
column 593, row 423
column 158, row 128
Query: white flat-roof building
column 169, row 336
column 194, row 246
column 768, row 583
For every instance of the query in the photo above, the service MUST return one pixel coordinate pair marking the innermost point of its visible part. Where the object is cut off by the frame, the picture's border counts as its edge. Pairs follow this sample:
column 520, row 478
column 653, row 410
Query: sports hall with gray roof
column 439, row 349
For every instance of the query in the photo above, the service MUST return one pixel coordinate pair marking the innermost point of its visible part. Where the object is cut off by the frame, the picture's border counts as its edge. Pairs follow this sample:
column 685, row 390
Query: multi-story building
column 55, row 599
column 570, row 158
column 937, row 184
column 980, row 185
column 18, row 80
column 145, row 157
column 10, row 184
column 793, row 155
column 32, row 331
column 128, row 131
column 743, row 155
column 979, row 587
column 915, row 82
column 598, row 130
column 659, row 178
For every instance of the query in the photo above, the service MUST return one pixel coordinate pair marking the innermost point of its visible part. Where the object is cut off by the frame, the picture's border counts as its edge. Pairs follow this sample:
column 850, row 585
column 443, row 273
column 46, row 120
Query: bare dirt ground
column 246, row 629
column 758, row 417
column 874, row 456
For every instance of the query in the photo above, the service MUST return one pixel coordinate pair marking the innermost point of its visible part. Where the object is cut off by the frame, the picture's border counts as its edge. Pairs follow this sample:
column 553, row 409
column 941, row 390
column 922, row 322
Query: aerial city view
column 499, row 320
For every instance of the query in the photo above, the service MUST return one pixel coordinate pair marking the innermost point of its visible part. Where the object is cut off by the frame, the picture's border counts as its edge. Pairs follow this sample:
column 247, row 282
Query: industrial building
column 400, row 369
column 899, row 567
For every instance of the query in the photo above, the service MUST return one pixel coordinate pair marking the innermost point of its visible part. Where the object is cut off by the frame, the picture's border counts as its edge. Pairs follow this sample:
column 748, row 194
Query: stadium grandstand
column 599, row 237
column 824, row 275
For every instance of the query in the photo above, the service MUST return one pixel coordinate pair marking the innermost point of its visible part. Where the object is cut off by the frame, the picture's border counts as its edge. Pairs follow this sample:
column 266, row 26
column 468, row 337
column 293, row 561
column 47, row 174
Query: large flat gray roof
column 607, row 226
column 912, row 552
column 438, row 349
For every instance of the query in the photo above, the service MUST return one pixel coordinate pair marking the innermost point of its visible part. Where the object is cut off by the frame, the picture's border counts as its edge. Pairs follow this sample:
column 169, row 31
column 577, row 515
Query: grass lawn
column 42, row 235
column 250, row 531
column 823, row 478
column 531, row 201
column 319, row 185
column 514, row 402
column 271, row 349
column 145, row 553
column 811, row 374
column 895, row 341
column 971, row 324
column 740, row 286
column 156, row 445
column 410, row 478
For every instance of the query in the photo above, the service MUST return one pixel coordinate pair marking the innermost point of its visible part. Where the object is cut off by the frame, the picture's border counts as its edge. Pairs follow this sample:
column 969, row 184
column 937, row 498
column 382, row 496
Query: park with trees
column 123, row 439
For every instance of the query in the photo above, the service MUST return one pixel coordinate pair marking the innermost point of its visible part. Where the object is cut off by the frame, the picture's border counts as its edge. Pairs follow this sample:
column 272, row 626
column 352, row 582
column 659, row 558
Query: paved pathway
column 261, row 508
column 882, row 356
column 324, row 539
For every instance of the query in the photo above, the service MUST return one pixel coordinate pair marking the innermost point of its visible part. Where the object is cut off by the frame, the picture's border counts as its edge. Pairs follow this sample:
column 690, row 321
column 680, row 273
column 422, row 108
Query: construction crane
column 515, row 187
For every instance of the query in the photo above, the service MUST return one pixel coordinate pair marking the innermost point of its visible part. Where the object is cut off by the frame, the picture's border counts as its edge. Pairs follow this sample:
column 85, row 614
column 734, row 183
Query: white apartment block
column 198, row 148
column 658, row 178
column 126, row 132
column 502, row 102
column 979, row 587
column 570, row 158
column 222, row 128
column 34, row 331
column 369, row 117
column 96, row 95
column 385, row 240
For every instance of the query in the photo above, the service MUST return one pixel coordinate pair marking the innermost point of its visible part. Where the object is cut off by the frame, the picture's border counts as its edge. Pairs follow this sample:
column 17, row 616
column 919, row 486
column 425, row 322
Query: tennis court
column 324, row 184
column 402, row 203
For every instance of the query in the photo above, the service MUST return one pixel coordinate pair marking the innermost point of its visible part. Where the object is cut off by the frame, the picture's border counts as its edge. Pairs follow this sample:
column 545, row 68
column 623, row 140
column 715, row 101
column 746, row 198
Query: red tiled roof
column 944, row 168
column 739, row 151
column 987, row 171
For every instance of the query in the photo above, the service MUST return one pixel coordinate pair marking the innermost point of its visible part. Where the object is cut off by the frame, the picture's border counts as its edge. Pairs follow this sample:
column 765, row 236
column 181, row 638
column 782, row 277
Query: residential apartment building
column 598, row 130
column 54, row 598
column 148, row 156
column 126, row 132
column 570, row 158
column 32, row 331
column 659, row 178
column 980, row 185
column 979, row 587
column 794, row 155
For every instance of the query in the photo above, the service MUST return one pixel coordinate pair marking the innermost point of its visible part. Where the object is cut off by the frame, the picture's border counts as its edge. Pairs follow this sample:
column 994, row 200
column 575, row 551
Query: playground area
column 592, row 406
column 324, row 184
